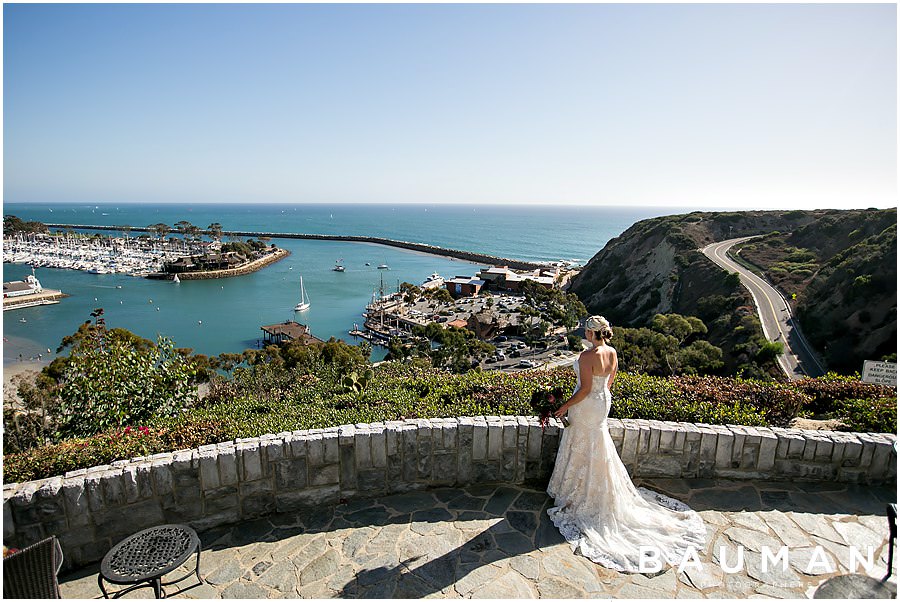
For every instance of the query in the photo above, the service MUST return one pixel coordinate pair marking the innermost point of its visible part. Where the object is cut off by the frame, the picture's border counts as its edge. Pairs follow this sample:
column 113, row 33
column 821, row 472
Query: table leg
column 102, row 589
column 157, row 588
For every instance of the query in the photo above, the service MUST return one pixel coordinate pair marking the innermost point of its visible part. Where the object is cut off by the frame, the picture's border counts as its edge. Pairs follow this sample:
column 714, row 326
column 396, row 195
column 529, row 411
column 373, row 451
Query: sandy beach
column 12, row 369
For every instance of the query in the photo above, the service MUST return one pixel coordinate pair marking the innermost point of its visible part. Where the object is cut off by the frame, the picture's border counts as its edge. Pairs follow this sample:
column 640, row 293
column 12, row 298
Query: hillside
column 655, row 267
column 842, row 273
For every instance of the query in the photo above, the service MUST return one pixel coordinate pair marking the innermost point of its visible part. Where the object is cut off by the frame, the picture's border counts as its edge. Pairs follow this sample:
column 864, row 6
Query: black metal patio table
column 145, row 557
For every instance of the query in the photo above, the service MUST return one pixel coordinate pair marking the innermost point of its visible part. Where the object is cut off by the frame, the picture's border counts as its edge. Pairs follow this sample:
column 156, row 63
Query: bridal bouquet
column 544, row 403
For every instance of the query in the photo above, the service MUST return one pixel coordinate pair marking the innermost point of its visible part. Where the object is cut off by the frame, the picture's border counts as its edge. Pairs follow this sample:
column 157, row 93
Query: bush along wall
column 92, row 509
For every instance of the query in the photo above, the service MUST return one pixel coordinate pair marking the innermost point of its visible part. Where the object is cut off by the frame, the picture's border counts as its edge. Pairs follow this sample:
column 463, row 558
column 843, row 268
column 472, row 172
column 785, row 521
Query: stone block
column 868, row 449
column 271, row 448
column 93, row 490
column 508, row 466
column 409, row 436
column 141, row 515
column 615, row 427
column 346, row 435
column 659, row 465
column 395, row 472
column 205, row 523
column 75, row 500
column 257, row 498
column 220, row 500
column 362, row 440
column 805, row 470
column 315, row 450
column 535, row 436
column 113, row 488
column 824, row 448
column 666, row 439
column 852, row 475
column 392, row 440
column 768, row 443
column 655, row 436
column 450, row 432
column 739, row 436
column 881, row 456
column 796, row 446
column 296, row 443
column 643, row 445
column 379, row 447
column 724, row 450
column 495, row 440
column 325, row 475
column 708, row 444
column 331, row 441
column 313, row 496
column 630, row 442
column 144, row 480
column 445, row 468
column 227, row 460
column 209, row 470
column 290, row 474
column 372, row 481
column 479, row 441
column 251, row 461
column 130, row 484
column 508, row 431
column 348, row 467
column 465, row 433
column 163, row 481
column 809, row 449
column 486, row 471
column 464, row 464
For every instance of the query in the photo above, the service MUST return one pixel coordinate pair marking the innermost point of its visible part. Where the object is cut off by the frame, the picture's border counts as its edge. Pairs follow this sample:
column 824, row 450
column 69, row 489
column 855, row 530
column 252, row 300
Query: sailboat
column 304, row 298
column 338, row 267
column 176, row 279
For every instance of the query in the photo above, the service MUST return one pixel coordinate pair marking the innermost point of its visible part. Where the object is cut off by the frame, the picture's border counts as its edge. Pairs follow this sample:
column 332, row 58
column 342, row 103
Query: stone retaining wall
column 92, row 509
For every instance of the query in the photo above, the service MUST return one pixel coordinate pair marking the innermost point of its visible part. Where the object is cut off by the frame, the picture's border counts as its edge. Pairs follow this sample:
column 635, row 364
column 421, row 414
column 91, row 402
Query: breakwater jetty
column 515, row 264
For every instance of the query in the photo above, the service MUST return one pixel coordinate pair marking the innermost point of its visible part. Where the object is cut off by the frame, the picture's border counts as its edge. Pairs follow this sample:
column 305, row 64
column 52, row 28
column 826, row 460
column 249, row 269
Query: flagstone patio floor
column 496, row 541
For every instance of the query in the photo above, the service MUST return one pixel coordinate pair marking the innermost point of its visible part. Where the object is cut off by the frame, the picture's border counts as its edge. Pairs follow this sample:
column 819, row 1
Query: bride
column 598, row 509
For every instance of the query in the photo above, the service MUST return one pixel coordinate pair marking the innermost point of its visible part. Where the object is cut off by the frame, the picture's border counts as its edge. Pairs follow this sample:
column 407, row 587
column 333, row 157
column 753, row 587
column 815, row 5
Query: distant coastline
column 515, row 264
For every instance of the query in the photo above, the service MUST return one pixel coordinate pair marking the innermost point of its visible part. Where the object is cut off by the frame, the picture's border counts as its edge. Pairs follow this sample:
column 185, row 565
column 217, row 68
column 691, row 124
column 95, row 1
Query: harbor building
column 464, row 286
column 288, row 331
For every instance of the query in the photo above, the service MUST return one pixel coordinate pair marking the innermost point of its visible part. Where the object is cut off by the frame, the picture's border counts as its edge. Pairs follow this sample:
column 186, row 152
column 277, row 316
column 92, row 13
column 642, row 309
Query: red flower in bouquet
column 544, row 403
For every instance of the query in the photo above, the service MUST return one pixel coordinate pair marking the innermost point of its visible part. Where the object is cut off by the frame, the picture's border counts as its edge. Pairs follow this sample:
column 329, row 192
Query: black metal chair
column 31, row 572
column 892, row 536
column 857, row 585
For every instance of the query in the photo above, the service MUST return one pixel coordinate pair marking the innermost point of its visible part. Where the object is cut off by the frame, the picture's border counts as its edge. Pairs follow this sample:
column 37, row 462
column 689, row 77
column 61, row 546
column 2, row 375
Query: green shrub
column 268, row 398
column 109, row 382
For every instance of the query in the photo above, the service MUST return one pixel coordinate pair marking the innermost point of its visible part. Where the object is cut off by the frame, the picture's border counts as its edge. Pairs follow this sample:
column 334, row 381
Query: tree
column 215, row 230
column 109, row 383
column 160, row 229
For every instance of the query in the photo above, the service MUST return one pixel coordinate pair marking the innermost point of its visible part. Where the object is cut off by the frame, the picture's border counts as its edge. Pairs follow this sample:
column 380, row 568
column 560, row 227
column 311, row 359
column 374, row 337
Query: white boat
column 176, row 279
column 337, row 266
column 383, row 266
column 304, row 298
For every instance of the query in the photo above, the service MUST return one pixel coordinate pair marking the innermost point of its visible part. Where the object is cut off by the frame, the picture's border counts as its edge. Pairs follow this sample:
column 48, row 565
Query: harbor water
column 216, row 316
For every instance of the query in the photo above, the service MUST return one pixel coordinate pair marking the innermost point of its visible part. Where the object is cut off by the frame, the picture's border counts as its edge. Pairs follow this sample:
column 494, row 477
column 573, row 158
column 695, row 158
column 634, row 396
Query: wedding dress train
column 599, row 510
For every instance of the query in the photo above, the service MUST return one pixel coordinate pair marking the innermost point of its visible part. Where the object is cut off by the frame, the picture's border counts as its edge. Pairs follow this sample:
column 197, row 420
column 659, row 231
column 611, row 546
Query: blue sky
column 681, row 105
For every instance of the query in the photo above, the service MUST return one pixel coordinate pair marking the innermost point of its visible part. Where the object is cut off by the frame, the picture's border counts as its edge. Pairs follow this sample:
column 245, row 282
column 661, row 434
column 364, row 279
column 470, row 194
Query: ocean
column 217, row 316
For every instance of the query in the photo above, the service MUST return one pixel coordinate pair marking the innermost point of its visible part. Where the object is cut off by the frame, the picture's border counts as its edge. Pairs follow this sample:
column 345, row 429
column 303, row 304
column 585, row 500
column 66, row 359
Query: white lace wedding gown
column 599, row 510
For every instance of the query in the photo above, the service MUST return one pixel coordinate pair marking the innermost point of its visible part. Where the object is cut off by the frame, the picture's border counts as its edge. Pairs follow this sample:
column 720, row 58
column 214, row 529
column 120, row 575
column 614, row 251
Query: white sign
column 880, row 373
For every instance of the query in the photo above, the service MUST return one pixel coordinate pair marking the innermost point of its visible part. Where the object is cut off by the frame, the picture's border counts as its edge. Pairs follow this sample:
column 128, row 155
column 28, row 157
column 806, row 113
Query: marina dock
column 45, row 297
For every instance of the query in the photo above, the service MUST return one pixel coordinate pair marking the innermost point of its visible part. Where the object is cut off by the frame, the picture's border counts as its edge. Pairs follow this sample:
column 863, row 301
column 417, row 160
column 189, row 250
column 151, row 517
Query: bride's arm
column 585, row 375
column 615, row 370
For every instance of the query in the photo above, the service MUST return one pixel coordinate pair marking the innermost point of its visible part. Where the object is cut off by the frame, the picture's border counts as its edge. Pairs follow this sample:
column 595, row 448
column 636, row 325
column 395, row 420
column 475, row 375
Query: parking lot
column 513, row 354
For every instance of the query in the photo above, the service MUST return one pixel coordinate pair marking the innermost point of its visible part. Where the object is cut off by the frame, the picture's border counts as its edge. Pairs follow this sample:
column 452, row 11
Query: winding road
column 778, row 322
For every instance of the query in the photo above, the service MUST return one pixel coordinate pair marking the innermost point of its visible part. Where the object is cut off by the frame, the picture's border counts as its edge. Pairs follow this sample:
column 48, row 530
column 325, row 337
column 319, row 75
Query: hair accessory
column 596, row 323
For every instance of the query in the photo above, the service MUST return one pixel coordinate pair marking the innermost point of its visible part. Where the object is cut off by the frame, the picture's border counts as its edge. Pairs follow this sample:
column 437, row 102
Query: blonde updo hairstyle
column 600, row 326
